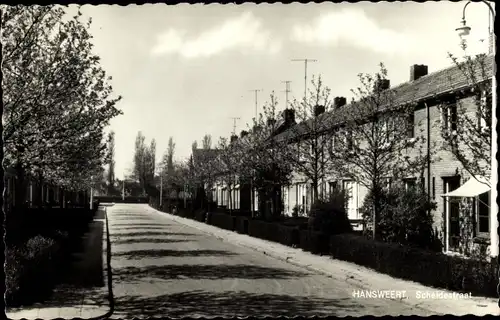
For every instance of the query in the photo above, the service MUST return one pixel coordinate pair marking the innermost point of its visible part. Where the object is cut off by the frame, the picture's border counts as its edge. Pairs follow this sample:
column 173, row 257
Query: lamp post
column 464, row 31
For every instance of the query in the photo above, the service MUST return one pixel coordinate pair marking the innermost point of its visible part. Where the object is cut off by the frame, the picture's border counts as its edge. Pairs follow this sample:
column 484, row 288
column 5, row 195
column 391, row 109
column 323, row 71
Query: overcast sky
column 185, row 70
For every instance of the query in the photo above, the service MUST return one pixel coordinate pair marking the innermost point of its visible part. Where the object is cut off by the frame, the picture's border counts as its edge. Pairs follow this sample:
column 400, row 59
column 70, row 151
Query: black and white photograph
column 249, row 160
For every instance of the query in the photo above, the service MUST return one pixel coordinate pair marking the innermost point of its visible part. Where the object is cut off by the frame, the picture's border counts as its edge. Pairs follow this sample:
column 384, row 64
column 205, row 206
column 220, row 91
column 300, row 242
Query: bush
column 427, row 267
column 222, row 220
column 329, row 216
column 30, row 270
column 404, row 218
column 200, row 215
column 313, row 241
column 242, row 224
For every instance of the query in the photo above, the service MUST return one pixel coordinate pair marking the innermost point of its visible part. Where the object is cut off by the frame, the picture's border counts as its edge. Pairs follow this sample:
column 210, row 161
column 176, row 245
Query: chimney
column 289, row 116
column 339, row 102
column 271, row 122
column 243, row 133
column 234, row 138
column 318, row 110
column 417, row 71
column 382, row 84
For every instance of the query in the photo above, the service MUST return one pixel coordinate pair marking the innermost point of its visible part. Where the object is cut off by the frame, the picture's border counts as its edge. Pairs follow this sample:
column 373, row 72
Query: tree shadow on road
column 146, row 240
column 159, row 253
column 138, row 227
column 142, row 224
column 149, row 234
column 232, row 304
column 211, row 272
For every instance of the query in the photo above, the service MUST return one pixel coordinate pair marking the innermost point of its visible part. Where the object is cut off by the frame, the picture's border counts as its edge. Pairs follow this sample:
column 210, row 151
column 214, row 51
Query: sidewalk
column 359, row 277
column 84, row 294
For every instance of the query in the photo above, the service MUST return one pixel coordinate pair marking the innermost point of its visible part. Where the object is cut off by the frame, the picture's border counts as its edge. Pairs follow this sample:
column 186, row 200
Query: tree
column 207, row 141
column 194, row 146
column 468, row 136
column 57, row 99
column 144, row 162
column 228, row 163
column 372, row 141
column 264, row 160
column 310, row 139
column 111, row 163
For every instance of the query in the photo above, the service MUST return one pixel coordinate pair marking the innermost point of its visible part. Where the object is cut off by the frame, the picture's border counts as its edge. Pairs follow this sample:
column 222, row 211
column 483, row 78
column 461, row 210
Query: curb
column 107, row 272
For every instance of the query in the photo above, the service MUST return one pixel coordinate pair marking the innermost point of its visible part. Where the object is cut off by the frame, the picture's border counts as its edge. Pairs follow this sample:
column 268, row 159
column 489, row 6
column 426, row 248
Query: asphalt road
column 164, row 268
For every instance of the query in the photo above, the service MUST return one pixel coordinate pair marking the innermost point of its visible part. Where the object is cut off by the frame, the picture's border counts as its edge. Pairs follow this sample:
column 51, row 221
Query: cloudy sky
column 185, row 70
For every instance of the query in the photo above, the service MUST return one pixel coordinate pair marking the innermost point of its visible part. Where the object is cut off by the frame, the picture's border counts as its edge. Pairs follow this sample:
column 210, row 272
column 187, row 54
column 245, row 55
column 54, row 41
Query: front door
column 452, row 212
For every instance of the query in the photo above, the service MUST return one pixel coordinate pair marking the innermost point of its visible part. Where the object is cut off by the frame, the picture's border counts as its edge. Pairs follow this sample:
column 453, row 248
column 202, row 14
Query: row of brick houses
column 440, row 177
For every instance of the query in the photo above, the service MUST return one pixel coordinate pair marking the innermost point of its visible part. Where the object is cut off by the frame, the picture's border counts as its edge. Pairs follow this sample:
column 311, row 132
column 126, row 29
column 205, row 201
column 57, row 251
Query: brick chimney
column 234, row 138
column 339, row 102
column 243, row 133
column 318, row 110
column 417, row 71
column 382, row 84
column 289, row 116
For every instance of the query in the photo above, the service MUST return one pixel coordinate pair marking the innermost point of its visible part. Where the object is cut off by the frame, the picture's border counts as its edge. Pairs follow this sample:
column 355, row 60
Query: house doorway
column 452, row 214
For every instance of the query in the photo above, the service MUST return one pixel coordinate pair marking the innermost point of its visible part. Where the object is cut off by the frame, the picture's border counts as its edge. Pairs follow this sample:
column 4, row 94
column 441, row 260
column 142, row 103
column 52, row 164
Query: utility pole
column 234, row 124
column 161, row 187
column 256, row 91
column 305, row 73
column 287, row 90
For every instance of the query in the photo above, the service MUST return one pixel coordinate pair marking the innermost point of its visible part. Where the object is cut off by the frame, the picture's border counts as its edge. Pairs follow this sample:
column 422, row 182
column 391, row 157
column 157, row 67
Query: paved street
column 162, row 267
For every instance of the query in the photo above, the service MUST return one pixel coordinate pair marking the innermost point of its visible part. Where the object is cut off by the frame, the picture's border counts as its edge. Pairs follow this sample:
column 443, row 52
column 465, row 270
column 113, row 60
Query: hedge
column 314, row 242
column 222, row 220
column 429, row 268
column 242, row 224
column 119, row 199
column 277, row 232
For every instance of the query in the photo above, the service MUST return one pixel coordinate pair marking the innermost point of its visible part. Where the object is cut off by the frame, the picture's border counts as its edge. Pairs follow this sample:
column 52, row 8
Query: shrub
column 222, row 220
column 404, row 218
column 313, row 241
column 30, row 270
column 427, row 267
column 329, row 216
column 242, row 224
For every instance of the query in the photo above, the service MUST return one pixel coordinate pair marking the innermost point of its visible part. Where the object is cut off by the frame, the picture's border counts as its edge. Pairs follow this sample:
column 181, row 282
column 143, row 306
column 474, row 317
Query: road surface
column 164, row 268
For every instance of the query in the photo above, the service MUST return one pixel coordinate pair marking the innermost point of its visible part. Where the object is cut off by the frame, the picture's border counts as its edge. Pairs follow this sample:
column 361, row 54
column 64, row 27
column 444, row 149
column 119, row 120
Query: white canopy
column 472, row 188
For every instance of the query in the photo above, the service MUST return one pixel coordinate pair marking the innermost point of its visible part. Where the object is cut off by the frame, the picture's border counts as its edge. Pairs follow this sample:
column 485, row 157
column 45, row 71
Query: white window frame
column 487, row 233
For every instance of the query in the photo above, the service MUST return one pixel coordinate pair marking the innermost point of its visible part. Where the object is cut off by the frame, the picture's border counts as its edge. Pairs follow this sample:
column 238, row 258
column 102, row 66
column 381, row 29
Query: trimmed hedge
column 429, row 268
column 222, row 220
column 277, row 232
column 314, row 242
column 200, row 215
column 242, row 224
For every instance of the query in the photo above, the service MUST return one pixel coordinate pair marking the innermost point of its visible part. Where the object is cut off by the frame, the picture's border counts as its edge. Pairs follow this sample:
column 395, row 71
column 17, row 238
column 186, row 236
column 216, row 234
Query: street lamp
column 463, row 32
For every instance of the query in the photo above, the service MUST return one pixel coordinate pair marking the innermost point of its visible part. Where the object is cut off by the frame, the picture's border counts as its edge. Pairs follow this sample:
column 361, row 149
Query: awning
column 472, row 188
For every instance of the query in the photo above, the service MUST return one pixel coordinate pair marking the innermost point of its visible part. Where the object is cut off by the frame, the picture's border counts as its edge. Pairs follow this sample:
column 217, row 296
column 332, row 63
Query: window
column 410, row 183
column 483, row 214
column 484, row 111
column 411, row 126
column 332, row 186
column 449, row 117
column 433, row 187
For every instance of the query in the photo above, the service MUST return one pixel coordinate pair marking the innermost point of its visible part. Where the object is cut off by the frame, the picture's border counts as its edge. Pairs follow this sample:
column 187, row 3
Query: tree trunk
column 20, row 187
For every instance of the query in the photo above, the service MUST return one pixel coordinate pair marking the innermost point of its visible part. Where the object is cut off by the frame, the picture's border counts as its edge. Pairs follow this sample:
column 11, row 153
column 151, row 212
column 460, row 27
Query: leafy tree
column 310, row 139
column 264, row 160
column 467, row 131
column 111, row 163
column 372, row 142
column 57, row 99
column 228, row 163
column 144, row 162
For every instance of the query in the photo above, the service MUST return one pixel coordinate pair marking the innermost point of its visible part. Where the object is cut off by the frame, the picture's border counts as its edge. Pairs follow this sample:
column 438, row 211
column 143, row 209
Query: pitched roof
column 432, row 85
